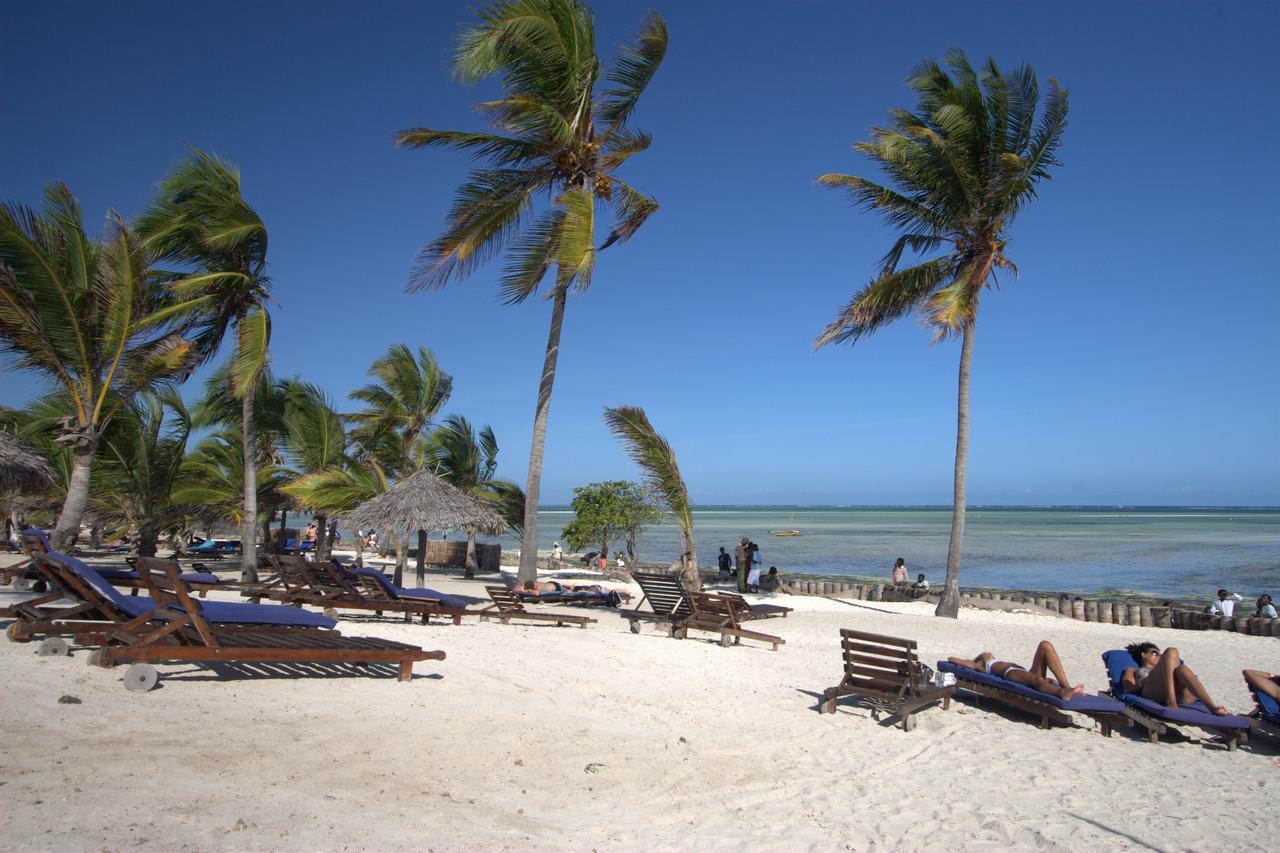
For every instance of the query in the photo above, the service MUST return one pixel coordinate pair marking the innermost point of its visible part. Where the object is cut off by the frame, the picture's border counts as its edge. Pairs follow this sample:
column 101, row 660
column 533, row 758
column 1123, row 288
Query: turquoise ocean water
column 1165, row 551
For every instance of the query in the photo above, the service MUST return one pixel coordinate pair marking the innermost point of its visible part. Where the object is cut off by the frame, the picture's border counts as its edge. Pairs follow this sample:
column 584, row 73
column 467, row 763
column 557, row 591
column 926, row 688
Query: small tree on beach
column 960, row 169
column 658, row 461
column 89, row 316
column 200, row 219
column 557, row 135
column 604, row 511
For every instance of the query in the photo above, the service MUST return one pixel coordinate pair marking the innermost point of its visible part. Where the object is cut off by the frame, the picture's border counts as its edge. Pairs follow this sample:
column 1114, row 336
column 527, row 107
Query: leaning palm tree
column 960, row 169
column 139, row 464
column 409, row 393
column 658, row 462
column 200, row 220
column 212, row 480
column 457, row 456
column 556, row 135
column 91, row 317
column 313, row 440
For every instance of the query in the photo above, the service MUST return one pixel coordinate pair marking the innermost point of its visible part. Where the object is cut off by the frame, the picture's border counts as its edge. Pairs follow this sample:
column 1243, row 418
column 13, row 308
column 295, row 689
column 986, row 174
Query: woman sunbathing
column 1044, row 662
column 1164, row 678
column 1263, row 682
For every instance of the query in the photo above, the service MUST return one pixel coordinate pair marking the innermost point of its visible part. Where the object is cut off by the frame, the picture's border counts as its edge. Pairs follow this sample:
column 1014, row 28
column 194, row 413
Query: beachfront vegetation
column 408, row 395
column 555, row 134
column 201, row 221
column 455, row 454
column 604, row 512
column 960, row 168
column 89, row 316
column 658, row 462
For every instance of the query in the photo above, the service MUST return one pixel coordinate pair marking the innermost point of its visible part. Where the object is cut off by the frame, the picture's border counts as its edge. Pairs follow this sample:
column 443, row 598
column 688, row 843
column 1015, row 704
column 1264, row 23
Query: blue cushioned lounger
column 395, row 592
column 1101, row 708
column 1266, row 717
column 1152, row 714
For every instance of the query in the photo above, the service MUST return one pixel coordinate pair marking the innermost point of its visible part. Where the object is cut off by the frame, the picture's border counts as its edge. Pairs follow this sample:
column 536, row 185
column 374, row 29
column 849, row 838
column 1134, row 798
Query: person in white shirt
column 1226, row 603
column 557, row 553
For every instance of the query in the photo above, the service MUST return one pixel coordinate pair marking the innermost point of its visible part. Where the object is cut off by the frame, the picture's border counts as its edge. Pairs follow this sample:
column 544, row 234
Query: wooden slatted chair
column 665, row 596
column 747, row 611
column 506, row 607
column 185, row 635
column 883, row 672
column 719, row 615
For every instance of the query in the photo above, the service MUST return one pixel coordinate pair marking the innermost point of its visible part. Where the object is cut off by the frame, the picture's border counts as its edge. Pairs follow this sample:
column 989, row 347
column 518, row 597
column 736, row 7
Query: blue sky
column 1134, row 361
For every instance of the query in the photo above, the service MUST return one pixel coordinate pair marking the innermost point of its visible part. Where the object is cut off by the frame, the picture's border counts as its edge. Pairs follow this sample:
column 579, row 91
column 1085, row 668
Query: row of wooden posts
column 1111, row 611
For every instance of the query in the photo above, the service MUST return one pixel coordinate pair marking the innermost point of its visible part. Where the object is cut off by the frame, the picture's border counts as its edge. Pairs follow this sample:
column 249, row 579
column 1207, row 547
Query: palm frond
column 655, row 457
column 632, row 70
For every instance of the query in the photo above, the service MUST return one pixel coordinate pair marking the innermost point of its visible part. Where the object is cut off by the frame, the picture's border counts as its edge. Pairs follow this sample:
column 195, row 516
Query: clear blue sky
column 1134, row 362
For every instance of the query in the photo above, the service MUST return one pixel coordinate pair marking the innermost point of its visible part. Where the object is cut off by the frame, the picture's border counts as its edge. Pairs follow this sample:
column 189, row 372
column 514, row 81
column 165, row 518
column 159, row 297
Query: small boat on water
column 792, row 532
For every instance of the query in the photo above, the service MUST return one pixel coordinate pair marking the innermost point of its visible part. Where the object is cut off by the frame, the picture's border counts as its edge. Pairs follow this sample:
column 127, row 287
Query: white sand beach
column 544, row 738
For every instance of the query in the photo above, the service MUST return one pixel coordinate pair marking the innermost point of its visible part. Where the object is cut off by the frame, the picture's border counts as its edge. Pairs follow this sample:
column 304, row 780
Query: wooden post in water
column 1091, row 611
column 1077, row 609
column 1064, row 604
column 1104, row 612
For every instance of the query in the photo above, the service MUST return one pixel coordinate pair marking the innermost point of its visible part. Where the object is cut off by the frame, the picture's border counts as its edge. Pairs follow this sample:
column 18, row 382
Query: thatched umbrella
column 422, row 502
column 23, row 470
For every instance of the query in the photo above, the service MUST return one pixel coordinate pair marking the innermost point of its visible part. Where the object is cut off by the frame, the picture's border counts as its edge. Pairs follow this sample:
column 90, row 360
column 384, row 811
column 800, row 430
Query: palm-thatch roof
column 422, row 501
column 23, row 469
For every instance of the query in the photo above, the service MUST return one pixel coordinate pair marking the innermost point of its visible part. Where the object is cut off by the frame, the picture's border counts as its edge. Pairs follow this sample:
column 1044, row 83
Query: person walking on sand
column 1044, row 662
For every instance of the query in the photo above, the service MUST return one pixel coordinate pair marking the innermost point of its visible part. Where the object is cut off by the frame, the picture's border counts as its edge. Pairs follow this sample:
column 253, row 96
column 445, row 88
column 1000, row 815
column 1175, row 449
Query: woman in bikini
column 1164, row 678
column 1044, row 663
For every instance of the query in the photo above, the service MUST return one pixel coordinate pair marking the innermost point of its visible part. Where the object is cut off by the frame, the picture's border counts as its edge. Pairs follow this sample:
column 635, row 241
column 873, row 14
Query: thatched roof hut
column 23, row 469
column 423, row 501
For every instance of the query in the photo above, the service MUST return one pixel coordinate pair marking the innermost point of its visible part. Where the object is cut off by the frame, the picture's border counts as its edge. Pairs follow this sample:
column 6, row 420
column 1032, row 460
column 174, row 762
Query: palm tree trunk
column 691, row 579
column 472, row 563
column 949, row 605
column 249, row 525
column 322, row 537
column 148, row 537
column 68, row 526
column 422, row 557
column 402, row 555
column 529, row 544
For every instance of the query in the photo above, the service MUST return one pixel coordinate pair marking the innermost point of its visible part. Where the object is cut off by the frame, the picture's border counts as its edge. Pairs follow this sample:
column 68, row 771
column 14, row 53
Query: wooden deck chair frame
column 1157, row 728
column 719, row 615
column 185, row 636
column 1047, row 715
column 747, row 611
column 666, row 597
column 882, row 672
column 371, row 595
column 506, row 607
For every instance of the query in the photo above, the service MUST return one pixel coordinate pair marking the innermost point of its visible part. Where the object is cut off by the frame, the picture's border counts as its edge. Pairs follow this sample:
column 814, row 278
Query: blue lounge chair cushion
column 1083, row 704
column 1270, row 707
column 397, row 592
column 131, row 575
column 1193, row 714
column 226, row 612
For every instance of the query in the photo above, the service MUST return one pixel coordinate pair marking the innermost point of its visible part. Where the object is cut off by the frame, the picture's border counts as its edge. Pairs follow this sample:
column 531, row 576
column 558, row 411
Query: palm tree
column 200, row 219
column 212, row 481
column 658, row 462
column 139, row 465
column 556, row 135
column 960, row 169
column 454, row 454
column 89, row 316
column 409, row 394
column 313, row 440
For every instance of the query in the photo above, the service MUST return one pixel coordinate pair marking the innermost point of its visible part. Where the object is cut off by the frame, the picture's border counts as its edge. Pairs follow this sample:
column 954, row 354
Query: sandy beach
column 543, row 738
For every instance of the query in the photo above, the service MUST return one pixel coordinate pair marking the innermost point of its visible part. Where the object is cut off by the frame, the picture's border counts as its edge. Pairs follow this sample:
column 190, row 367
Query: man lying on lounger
column 1044, row 662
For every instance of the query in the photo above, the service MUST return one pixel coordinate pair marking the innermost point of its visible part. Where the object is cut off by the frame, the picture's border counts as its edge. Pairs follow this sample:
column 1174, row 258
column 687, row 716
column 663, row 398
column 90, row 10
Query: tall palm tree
column 91, row 317
column 313, row 440
column 658, row 462
column 458, row 457
column 212, row 481
column 139, row 464
column 409, row 394
column 556, row 135
column 960, row 169
column 200, row 220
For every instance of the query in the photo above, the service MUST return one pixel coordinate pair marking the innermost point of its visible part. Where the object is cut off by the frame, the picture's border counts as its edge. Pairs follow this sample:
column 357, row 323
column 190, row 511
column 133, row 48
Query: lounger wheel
column 725, row 641
column 908, row 723
column 331, row 613
column 14, row 635
column 99, row 659
column 40, row 585
column 53, row 647
column 21, row 584
column 635, row 627
column 141, row 677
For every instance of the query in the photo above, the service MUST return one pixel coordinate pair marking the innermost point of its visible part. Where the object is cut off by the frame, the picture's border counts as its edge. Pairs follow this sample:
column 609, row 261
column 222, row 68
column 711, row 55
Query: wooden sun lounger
column 719, row 615
column 508, row 607
column 747, row 611
column 186, row 636
column 1106, row 711
column 882, row 671
column 666, row 598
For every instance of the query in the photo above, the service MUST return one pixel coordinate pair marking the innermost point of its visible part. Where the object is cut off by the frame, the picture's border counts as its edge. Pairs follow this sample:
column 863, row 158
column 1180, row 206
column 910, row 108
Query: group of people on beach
column 744, row 566
column 1225, row 605
column 903, row 587
column 1159, row 676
